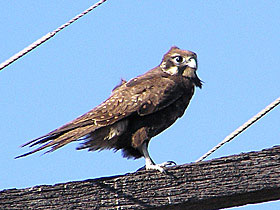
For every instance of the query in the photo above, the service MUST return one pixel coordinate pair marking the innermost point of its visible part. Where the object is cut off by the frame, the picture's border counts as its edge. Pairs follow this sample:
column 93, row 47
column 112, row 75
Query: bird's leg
column 150, row 165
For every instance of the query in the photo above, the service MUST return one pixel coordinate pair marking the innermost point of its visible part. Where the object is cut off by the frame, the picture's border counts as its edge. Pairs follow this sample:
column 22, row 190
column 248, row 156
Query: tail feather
column 35, row 150
column 35, row 141
column 58, row 140
column 73, row 125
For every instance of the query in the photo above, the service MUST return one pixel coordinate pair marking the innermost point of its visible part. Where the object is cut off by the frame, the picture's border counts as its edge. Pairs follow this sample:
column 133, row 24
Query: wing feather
column 143, row 95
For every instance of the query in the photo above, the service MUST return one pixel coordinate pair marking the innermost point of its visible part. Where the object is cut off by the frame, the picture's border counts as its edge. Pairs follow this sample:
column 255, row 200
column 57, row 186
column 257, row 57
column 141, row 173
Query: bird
column 136, row 111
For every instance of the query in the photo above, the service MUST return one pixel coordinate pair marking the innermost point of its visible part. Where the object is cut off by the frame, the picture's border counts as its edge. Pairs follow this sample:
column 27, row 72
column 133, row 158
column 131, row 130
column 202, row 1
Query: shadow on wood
column 225, row 182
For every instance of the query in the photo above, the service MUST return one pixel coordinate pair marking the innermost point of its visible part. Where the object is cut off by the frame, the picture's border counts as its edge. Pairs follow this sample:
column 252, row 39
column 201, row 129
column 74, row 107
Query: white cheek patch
column 173, row 70
column 192, row 63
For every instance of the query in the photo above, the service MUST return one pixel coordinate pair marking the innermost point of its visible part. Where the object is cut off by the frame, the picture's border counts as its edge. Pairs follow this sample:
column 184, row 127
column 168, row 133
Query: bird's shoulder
column 144, row 95
column 149, row 92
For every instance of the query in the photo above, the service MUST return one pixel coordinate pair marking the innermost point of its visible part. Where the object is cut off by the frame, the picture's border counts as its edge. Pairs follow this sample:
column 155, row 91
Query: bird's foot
column 160, row 167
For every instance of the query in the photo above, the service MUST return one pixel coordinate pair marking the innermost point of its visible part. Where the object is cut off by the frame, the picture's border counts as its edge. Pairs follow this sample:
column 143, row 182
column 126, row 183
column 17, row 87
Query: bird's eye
column 179, row 59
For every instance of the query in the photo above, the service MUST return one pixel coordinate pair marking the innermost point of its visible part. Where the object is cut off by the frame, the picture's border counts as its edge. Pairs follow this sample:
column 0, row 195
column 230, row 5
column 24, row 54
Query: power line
column 242, row 128
column 47, row 36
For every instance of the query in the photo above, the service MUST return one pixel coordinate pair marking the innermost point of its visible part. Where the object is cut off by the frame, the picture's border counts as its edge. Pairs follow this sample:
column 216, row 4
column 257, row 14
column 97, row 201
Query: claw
column 155, row 167
column 160, row 167
column 168, row 163
column 150, row 165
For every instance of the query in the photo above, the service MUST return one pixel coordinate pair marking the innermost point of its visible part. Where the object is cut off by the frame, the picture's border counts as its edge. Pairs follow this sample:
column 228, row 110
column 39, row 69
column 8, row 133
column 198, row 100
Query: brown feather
column 136, row 111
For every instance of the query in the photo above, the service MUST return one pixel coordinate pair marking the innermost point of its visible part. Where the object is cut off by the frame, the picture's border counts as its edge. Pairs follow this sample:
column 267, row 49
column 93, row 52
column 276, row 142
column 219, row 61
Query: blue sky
column 237, row 43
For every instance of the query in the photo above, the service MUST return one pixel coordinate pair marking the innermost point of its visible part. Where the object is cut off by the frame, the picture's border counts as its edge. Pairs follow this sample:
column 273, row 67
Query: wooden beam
column 225, row 182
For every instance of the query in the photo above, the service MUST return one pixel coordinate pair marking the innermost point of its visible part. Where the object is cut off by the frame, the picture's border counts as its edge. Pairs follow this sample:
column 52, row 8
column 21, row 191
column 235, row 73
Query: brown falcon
column 135, row 112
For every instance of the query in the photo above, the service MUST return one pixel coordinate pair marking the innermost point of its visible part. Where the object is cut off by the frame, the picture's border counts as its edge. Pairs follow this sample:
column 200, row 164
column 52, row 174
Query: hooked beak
column 192, row 63
column 191, row 72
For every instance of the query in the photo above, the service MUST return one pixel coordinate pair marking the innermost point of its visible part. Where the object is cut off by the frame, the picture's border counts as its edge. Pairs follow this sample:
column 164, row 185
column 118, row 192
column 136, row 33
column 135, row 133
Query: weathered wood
column 225, row 182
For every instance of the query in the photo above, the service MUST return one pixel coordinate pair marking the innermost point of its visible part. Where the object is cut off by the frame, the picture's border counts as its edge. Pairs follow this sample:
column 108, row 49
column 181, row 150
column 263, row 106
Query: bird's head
column 182, row 63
